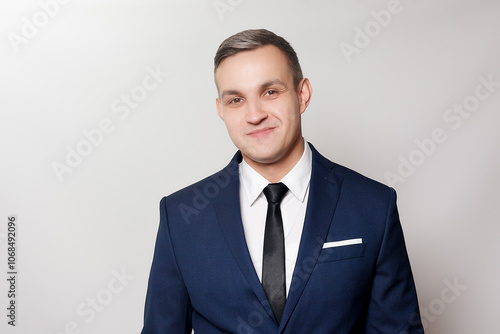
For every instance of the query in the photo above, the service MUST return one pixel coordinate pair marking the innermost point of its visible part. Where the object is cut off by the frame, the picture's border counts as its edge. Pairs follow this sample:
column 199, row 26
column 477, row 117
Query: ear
column 304, row 92
column 218, row 104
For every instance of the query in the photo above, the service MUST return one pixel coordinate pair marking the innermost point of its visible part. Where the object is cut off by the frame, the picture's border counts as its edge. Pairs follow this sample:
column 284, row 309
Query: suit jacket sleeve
column 168, row 309
column 393, row 306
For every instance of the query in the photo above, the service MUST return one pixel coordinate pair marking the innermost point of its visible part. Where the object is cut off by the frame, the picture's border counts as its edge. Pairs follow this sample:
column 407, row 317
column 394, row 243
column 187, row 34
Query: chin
column 263, row 158
column 264, row 154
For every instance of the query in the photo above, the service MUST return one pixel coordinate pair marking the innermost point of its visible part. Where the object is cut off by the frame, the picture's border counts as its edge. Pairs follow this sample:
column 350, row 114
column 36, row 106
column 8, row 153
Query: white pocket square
column 340, row 243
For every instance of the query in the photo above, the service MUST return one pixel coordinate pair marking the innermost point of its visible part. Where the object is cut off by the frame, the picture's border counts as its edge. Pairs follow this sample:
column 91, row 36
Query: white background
column 367, row 111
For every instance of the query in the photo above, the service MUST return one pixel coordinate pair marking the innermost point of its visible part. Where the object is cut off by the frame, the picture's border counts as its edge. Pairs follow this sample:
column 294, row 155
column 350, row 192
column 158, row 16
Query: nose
column 255, row 112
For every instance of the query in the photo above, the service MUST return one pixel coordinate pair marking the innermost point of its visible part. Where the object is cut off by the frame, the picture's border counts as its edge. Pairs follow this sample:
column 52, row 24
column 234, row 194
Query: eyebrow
column 272, row 83
column 229, row 92
column 262, row 86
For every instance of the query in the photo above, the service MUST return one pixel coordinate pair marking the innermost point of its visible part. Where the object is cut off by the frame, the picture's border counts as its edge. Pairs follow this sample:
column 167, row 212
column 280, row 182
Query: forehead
column 253, row 67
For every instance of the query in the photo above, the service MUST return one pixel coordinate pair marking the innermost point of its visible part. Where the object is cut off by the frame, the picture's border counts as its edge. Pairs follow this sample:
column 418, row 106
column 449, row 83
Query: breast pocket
column 342, row 253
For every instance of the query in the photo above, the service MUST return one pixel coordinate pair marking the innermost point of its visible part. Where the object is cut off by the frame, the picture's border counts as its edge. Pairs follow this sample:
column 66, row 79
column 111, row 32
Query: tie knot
column 275, row 192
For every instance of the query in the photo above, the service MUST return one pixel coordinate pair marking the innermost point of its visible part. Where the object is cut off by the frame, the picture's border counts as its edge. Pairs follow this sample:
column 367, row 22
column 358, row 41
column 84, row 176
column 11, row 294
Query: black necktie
column 273, row 266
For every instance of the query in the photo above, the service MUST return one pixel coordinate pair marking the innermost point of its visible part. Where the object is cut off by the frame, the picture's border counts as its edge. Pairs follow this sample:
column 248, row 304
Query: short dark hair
column 254, row 38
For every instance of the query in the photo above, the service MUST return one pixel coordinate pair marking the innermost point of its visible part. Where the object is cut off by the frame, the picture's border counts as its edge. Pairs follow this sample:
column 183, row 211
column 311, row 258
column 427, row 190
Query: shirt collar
column 297, row 179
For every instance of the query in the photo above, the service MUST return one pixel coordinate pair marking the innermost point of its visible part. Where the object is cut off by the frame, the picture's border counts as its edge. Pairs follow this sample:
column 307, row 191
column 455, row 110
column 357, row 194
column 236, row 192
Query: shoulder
column 352, row 182
column 358, row 180
column 209, row 186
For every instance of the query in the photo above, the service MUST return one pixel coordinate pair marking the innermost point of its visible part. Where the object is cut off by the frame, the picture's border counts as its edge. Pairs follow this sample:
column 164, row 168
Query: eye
column 235, row 100
column 271, row 92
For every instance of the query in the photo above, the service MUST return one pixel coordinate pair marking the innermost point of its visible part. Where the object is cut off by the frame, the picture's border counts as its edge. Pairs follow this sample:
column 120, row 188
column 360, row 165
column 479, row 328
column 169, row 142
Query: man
column 282, row 240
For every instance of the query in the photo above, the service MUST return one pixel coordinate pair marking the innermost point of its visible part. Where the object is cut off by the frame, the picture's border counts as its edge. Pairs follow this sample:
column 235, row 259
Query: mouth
column 261, row 132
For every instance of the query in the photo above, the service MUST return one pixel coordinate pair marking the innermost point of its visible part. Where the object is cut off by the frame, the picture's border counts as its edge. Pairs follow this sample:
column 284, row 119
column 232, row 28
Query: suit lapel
column 227, row 209
column 324, row 192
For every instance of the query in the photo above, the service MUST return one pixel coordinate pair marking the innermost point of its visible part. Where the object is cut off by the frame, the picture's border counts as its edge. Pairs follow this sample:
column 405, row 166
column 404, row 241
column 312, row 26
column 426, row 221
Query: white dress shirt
column 253, row 206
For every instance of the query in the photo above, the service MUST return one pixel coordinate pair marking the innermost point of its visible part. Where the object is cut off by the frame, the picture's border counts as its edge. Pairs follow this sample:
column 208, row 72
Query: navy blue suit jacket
column 202, row 276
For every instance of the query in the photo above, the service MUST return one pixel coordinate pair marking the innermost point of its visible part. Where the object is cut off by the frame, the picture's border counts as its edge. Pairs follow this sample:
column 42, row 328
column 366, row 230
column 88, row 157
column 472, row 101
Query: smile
column 261, row 132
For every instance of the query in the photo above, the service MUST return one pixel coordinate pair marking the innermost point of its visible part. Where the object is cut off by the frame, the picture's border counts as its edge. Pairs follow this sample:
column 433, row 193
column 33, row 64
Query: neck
column 274, row 172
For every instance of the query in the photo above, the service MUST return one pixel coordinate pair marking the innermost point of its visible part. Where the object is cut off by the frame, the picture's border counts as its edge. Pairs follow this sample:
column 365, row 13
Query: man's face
column 260, row 105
